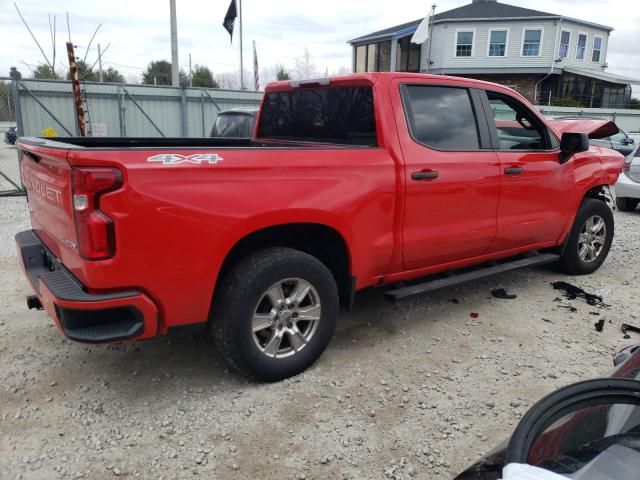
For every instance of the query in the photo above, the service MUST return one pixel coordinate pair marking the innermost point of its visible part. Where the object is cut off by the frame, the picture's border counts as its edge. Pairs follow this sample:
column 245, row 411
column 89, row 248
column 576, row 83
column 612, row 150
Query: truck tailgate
column 47, row 177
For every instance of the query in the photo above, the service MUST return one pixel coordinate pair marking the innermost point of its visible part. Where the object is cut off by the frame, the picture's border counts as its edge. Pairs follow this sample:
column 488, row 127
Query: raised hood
column 595, row 128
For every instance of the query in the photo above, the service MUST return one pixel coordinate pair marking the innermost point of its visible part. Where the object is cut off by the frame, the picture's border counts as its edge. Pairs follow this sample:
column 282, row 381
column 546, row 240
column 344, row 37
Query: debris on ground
column 571, row 308
column 474, row 315
column 629, row 328
column 572, row 292
column 503, row 294
column 454, row 300
column 599, row 325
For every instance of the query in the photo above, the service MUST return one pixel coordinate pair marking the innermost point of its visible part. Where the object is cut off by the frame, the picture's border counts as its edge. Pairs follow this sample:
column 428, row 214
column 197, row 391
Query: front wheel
column 275, row 313
column 590, row 239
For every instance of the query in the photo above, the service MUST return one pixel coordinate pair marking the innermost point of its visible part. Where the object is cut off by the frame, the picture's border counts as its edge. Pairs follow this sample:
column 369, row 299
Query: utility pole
column 75, row 85
column 175, row 68
column 190, row 72
column 241, row 60
column 101, row 78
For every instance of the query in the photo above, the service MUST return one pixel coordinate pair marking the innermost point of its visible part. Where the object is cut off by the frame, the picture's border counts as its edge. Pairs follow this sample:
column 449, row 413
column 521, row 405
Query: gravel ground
column 413, row 390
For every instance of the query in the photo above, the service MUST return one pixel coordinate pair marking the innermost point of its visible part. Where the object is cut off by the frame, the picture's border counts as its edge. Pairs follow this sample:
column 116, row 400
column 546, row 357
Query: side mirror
column 630, row 141
column 572, row 143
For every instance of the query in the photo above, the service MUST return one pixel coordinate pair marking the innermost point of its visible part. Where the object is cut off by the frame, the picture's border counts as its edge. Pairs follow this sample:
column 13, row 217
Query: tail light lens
column 626, row 166
column 94, row 230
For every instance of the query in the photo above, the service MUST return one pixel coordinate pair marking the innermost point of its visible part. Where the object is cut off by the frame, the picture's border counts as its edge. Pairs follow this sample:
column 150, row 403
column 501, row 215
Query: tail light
column 94, row 230
column 626, row 166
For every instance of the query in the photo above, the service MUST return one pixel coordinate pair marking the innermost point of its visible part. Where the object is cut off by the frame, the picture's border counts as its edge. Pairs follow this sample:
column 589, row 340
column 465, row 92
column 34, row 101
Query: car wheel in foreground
column 275, row 313
column 626, row 204
column 590, row 238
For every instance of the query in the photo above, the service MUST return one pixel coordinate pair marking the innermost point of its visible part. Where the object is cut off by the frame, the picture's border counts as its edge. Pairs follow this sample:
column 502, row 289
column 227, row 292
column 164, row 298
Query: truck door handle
column 513, row 170
column 430, row 175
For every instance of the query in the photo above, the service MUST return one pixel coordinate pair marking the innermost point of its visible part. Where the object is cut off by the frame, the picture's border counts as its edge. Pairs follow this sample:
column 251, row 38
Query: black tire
column 626, row 204
column 570, row 262
column 241, row 292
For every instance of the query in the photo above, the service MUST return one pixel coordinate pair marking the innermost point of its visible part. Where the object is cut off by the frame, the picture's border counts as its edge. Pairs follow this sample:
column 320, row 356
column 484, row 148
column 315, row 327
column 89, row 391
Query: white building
column 546, row 57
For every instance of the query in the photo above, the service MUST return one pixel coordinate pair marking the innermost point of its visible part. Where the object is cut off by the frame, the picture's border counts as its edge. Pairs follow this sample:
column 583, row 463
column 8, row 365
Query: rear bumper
column 626, row 187
column 83, row 316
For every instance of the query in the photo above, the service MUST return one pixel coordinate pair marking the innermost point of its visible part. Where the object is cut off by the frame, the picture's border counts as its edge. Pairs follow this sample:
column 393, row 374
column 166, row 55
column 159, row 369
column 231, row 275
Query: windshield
column 233, row 126
column 337, row 115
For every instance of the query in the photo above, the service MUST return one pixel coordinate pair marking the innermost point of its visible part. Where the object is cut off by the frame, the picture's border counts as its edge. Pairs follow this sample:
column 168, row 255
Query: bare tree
column 304, row 67
column 231, row 80
column 342, row 71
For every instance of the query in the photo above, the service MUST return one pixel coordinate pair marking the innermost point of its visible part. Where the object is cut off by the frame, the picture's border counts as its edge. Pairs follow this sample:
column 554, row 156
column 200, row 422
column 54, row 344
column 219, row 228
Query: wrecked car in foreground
column 586, row 431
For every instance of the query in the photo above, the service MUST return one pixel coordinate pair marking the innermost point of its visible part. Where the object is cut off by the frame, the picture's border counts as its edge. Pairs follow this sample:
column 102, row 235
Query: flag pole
column 241, row 60
column 433, row 11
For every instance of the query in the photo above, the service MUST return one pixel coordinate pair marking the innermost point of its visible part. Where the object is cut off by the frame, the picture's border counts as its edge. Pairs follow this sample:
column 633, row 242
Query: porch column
column 394, row 54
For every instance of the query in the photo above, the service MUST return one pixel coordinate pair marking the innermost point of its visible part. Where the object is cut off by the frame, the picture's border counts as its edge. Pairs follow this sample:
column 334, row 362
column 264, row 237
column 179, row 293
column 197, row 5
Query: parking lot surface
column 418, row 389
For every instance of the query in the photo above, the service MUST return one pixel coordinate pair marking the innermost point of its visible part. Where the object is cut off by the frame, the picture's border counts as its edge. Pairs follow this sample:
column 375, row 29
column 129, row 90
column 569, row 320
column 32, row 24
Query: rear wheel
column 626, row 204
column 275, row 313
column 590, row 239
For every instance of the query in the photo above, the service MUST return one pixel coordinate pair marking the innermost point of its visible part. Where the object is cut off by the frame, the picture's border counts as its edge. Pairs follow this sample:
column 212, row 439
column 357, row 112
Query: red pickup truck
column 409, row 180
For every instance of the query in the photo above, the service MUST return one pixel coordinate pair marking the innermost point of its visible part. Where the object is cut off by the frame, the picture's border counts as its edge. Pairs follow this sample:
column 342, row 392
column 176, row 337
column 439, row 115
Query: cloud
column 138, row 31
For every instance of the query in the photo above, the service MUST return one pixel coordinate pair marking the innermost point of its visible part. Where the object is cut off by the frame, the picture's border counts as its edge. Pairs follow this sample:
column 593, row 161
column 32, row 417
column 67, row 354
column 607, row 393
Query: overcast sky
column 138, row 30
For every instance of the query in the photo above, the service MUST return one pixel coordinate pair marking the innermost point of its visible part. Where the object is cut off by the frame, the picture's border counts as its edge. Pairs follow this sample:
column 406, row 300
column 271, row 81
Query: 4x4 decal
column 175, row 158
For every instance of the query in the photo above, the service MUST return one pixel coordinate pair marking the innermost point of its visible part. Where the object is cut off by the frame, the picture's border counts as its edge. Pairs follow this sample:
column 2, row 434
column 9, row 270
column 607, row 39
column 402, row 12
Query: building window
column 407, row 56
column 372, row 51
column 531, row 40
column 597, row 49
column 498, row 43
column 464, row 43
column 361, row 58
column 374, row 57
column 384, row 53
column 565, row 38
column 582, row 46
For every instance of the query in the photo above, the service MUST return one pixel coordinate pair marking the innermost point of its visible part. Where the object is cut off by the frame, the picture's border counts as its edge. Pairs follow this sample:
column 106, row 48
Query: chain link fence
column 46, row 108
column 9, row 173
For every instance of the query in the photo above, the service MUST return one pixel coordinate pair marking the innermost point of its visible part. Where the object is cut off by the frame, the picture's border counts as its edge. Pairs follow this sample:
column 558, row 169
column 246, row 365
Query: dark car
column 586, row 431
column 10, row 136
column 235, row 123
column 620, row 142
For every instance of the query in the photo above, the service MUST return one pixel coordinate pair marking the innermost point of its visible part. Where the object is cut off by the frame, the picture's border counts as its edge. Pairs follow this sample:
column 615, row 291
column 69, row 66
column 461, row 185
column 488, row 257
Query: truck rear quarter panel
column 176, row 223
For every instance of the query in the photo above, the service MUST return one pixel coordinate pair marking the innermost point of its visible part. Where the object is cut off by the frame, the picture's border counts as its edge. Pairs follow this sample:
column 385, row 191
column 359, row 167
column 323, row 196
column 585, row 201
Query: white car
column 628, row 186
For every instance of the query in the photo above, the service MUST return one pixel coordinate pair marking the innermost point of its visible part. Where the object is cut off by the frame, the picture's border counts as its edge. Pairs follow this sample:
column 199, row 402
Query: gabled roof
column 477, row 10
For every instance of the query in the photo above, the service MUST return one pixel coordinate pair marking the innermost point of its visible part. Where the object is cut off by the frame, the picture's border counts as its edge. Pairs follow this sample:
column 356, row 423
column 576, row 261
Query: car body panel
column 235, row 123
column 628, row 184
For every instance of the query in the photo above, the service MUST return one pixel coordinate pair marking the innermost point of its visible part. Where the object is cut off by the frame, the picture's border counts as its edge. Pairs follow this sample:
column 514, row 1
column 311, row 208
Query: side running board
column 456, row 277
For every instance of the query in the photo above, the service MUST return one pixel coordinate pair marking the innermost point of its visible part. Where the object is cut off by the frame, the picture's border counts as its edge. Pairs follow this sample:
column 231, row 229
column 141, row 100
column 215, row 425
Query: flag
column 422, row 32
column 230, row 18
column 256, row 75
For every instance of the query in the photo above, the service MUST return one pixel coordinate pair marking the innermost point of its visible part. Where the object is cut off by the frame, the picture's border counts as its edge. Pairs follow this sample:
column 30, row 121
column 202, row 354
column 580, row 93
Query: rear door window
column 335, row 115
column 441, row 117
